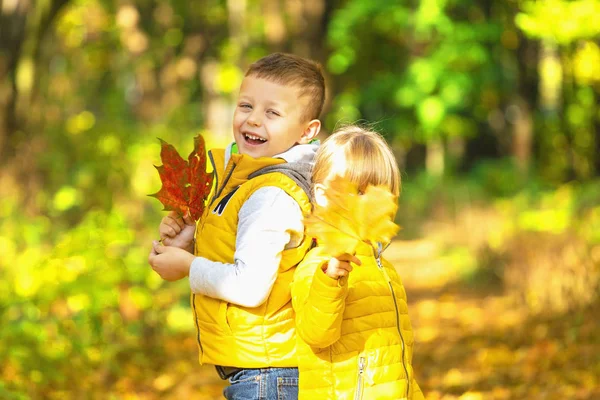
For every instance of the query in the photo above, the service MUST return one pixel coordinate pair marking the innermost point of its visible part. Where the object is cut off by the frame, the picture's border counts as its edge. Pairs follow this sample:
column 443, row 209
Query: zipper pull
column 359, row 384
column 379, row 251
column 361, row 365
column 380, row 264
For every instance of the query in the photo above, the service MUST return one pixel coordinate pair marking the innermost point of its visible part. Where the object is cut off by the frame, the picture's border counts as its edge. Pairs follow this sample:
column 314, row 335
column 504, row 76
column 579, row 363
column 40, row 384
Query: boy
column 251, row 235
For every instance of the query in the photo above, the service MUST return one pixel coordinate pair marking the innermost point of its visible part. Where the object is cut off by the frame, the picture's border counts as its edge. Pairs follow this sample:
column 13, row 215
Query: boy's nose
column 254, row 120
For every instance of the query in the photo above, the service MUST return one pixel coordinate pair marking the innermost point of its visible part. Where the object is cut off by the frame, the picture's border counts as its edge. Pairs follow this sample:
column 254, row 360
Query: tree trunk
column 218, row 108
column 307, row 27
column 526, row 100
column 522, row 135
column 39, row 32
column 596, row 127
column 237, row 23
column 275, row 29
column 23, row 27
column 434, row 159
column 13, row 24
column 551, row 76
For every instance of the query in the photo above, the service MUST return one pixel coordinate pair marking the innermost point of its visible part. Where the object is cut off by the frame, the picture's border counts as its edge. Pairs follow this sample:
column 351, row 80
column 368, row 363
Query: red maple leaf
column 185, row 184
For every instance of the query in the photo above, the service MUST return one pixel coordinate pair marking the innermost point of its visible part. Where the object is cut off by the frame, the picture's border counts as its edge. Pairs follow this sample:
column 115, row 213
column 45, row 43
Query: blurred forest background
column 490, row 106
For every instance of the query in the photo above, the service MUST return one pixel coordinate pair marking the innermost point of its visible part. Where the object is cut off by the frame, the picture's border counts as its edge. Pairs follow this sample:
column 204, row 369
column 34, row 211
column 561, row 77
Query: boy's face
column 268, row 118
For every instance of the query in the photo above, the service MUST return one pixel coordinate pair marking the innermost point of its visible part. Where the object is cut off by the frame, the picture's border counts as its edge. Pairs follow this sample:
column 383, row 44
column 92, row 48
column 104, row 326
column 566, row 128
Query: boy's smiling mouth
column 253, row 139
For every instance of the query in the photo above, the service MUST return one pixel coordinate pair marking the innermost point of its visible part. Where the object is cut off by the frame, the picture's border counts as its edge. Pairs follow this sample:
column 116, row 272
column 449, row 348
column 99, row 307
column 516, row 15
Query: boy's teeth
column 255, row 137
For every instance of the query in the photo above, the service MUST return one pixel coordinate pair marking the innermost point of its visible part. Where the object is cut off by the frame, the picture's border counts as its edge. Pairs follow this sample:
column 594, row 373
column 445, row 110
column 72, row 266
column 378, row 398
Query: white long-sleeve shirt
column 268, row 222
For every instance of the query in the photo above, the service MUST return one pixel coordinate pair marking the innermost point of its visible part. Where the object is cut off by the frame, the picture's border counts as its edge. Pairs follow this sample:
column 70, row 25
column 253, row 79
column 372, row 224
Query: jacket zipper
column 380, row 265
column 197, row 325
column 216, row 195
column 359, row 384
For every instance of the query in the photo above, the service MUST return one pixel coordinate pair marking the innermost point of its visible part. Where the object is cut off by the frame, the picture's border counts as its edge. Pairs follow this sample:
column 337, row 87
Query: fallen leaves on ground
column 472, row 342
column 478, row 343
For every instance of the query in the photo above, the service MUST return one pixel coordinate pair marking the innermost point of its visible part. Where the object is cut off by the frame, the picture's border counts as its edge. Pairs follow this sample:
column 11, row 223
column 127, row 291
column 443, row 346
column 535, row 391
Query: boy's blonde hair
column 290, row 69
column 360, row 155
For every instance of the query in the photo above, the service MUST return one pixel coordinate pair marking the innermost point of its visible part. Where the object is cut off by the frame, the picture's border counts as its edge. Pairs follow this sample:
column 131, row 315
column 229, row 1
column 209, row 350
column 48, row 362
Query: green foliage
column 501, row 178
column 424, row 68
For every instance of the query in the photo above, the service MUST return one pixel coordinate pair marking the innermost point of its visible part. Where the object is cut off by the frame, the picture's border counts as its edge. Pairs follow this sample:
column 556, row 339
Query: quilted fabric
column 355, row 339
column 229, row 334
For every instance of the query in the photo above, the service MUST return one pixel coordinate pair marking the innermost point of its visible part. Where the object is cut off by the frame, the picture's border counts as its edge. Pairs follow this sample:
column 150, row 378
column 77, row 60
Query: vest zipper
column 212, row 163
column 380, row 265
column 216, row 195
column 219, row 189
column 197, row 325
column 359, row 384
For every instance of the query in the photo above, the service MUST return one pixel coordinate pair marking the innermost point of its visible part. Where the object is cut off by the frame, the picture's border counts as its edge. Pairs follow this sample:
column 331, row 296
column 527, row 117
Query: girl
column 355, row 339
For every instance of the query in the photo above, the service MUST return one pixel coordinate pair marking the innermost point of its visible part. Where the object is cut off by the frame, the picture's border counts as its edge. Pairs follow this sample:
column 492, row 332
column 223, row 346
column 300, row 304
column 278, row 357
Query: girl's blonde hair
column 360, row 155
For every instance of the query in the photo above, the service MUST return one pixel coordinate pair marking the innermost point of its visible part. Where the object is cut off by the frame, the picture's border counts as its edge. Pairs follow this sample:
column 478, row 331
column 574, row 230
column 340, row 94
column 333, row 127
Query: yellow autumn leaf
column 350, row 217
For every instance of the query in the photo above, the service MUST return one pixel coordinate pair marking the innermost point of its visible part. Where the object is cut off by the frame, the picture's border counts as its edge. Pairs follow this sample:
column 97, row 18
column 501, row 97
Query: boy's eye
column 245, row 105
column 273, row 112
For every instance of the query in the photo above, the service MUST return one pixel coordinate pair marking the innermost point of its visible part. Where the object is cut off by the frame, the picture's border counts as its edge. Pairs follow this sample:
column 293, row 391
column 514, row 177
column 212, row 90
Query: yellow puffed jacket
column 355, row 340
column 228, row 334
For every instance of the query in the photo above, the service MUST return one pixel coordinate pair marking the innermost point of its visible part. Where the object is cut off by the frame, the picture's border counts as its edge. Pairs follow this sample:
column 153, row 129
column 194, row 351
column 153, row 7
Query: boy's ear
column 310, row 132
column 320, row 197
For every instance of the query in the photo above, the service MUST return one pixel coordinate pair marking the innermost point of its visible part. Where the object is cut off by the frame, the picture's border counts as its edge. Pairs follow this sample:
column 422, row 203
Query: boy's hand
column 177, row 232
column 171, row 263
column 338, row 267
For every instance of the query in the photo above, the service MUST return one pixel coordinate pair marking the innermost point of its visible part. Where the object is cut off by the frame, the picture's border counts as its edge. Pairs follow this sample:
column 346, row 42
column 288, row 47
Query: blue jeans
column 263, row 384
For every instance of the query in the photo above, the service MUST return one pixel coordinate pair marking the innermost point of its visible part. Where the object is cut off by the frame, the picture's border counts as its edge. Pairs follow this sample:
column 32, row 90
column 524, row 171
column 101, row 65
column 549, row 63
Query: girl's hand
column 340, row 266
column 178, row 232
column 171, row 263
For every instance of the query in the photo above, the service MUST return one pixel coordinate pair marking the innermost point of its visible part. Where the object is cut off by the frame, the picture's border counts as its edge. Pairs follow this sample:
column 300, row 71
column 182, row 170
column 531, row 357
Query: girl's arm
column 319, row 303
column 268, row 222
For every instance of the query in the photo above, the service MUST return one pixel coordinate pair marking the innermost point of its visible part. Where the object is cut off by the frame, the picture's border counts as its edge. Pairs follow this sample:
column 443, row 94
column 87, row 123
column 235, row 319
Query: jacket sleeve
column 319, row 303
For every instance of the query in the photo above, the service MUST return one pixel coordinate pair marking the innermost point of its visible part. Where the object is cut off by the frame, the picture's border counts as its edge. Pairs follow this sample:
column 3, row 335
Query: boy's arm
column 269, row 221
column 319, row 302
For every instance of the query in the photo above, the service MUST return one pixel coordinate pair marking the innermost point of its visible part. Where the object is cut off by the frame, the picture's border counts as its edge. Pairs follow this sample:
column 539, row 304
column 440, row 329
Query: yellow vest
column 355, row 340
column 228, row 334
